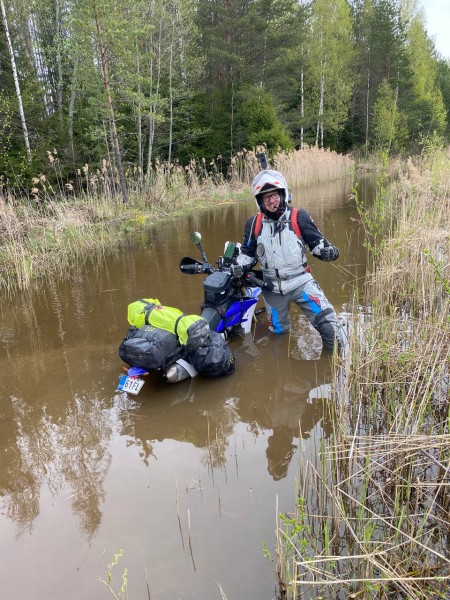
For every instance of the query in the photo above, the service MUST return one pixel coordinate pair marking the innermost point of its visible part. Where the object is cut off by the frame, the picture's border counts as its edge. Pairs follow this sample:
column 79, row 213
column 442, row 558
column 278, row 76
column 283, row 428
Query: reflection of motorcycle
column 228, row 308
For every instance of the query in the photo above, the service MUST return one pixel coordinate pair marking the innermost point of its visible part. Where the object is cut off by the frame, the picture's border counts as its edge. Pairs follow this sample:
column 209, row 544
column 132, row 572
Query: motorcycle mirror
column 262, row 160
column 196, row 238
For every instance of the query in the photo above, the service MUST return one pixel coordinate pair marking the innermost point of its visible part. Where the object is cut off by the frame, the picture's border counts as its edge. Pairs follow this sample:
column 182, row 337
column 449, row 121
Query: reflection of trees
column 194, row 418
column 71, row 449
column 83, row 457
column 218, row 444
column 273, row 392
column 55, row 427
column 19, row 487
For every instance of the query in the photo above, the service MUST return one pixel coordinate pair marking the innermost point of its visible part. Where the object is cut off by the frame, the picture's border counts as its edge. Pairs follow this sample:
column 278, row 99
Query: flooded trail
column 185, row 478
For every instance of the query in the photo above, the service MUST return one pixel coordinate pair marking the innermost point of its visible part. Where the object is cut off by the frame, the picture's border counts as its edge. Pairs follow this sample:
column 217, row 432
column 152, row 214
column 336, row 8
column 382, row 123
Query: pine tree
column 426, row 112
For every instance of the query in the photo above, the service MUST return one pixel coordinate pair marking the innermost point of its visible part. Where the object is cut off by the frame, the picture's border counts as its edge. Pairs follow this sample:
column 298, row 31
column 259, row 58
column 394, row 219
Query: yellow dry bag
column 149, row 311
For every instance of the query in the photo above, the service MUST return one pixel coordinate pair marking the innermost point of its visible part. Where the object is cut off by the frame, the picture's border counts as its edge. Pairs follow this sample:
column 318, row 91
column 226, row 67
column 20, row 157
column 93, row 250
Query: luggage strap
column 147, row 311
column 175, row 328
column 148, row 307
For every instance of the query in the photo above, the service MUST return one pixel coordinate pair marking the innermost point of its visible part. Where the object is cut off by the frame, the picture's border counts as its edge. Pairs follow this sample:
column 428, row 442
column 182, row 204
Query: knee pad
column 326, row 323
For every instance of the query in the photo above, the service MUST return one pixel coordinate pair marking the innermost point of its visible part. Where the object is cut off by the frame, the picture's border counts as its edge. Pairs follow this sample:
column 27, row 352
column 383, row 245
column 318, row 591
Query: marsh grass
column 374, row 506
column 313, row 165
column 122, row 592
column 59, row 226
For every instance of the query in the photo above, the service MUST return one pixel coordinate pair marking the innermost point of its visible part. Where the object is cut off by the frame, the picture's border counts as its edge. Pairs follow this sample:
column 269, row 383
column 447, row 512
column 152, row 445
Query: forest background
column 127, row 85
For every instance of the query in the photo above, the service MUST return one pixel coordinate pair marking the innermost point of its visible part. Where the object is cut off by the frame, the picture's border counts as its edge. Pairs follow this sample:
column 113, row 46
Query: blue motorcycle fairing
column 233, row 315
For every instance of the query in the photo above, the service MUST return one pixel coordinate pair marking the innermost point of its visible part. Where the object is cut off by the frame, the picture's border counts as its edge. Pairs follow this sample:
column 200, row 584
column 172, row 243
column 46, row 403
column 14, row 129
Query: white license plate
column 132, row 385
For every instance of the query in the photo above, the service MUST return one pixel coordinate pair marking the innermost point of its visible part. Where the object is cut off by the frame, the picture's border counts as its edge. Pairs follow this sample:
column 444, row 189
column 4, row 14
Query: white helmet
column 266, row 181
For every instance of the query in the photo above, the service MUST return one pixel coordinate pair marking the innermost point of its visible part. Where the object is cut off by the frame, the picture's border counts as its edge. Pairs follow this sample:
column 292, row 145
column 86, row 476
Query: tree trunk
column 302, row 105
column 41, row 68
column 170, row 102
column 152, row 124
column 139, row 117
column 73, row 92
column 394, row 112
column 179, row 20
column 59, row 88
column 232, row 114
column 367, row 103
column 319, row 131
column 112, row 120
column 264, row 61
column 16, row 81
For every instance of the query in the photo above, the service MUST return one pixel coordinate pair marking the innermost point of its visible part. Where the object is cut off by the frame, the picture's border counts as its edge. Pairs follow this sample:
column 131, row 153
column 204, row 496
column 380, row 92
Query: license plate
column 132, row 385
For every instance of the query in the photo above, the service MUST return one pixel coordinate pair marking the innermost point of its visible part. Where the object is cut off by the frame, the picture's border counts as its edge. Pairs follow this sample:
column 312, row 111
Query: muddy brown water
column 185, row 478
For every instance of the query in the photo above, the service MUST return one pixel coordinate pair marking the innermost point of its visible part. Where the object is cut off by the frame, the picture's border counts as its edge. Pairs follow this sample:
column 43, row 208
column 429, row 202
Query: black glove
column 329, row 253
column 237, row 271
column 252, row 279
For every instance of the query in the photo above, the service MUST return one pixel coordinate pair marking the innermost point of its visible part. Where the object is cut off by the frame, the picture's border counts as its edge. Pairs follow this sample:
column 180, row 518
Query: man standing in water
column 278, row 238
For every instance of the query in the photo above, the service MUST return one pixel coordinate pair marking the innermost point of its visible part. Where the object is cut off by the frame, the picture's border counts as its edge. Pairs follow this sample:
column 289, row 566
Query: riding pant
column 312, row 301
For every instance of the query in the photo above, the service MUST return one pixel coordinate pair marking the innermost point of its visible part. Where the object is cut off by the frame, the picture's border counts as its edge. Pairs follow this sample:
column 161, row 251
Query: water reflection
column 19, row 485
column 285, row 396
column 54, row 425
column 68, row 439
column 67, row 450
column 277, row 393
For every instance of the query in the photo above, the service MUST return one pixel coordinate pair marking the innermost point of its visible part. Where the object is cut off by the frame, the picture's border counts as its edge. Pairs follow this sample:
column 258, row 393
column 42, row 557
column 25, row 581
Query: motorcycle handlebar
column 190, row 266
column 250, row 277
column 207, row 268
column 189, row 269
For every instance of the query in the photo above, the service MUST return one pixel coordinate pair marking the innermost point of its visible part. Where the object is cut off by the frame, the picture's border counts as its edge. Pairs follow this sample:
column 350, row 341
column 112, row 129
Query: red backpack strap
column 294, row 223
column 257, row 224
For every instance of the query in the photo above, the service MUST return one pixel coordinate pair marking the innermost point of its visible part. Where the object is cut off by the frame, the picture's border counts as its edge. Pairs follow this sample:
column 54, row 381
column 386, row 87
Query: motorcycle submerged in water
column 229, row 304
column 229, row 299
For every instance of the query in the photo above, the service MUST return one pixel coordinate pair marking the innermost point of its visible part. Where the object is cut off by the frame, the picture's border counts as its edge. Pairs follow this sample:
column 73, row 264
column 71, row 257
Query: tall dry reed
column 313, row 165
column 59, row 225
column 373, row 510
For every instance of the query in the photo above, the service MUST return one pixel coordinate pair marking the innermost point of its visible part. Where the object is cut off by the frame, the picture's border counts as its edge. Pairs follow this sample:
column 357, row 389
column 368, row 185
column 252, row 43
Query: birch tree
column 109, row 98
column 176, row 65
column 330, row 62
column 386, row 118
column 16, row 80
column 363, row 88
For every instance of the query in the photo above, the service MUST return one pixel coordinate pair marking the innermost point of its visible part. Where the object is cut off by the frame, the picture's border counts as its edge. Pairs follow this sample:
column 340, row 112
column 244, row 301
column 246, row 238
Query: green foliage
column 6, row 114
column 381, row 62
column 294, row 543
column 262, row 124
column 199, row 79
column 427, row 112
column 387, row 124
column 431, row 145
column 123, row 590
column 329, row 62
column 443, row 82
column 296, row 530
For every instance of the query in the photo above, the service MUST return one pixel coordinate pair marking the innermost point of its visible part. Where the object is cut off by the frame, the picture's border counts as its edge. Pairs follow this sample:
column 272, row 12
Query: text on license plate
column 132, row 385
